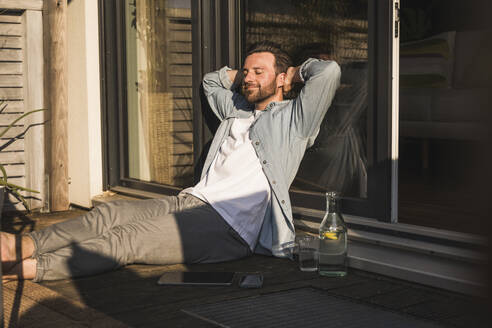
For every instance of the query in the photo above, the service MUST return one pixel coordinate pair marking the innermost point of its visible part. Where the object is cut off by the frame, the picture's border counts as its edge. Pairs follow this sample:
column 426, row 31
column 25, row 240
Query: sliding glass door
column 156, row 124
column 156, row 130
column 444, row 72
column 148, row 85
column 335, row 30
column 159, row 144
column 349, row 154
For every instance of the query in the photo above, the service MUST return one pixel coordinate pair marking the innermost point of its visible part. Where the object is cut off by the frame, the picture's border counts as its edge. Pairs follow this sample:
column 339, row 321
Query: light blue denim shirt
column 280, row 136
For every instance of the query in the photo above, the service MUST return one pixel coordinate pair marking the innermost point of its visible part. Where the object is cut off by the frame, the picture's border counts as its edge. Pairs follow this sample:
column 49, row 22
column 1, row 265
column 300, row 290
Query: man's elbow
column 210, row 78
column 327, row 71
column 332, row 72
column 210, row 82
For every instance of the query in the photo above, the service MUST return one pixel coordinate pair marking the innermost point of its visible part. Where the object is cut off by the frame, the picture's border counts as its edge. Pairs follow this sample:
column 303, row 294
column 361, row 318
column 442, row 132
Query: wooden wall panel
column 11, row 80
column 9, row 42
column 15, row 106
column 183, row 137
column 15, row 169
column 22, row 4
column 15, row 131
column 12, row 154
column 9, row 18
column 180, row 70
column 12, row 157
column 7, row 29
column 180, row 46
column 7, row 118
column 21, row 69
column 34, row 99
column 14, row 146
column 13, row 55
column 182, row 115
column 11, row 93
column 11, row 68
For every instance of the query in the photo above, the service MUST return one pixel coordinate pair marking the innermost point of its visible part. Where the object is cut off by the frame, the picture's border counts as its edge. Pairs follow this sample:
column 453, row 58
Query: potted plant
column 5, row 186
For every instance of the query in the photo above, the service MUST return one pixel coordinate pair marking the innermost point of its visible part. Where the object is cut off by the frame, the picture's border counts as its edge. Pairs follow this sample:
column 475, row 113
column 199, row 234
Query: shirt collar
column 249, row 111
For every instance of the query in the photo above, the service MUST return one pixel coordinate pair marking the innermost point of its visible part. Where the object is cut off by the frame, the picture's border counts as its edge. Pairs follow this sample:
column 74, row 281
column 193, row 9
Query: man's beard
column 259, row 93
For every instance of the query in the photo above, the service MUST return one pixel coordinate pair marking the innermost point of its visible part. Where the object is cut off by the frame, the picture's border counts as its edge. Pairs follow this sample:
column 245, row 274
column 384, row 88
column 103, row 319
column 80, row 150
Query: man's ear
column 280, row 80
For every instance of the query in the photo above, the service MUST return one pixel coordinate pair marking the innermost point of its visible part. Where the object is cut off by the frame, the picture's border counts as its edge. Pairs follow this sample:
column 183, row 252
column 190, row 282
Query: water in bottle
column 333, row 240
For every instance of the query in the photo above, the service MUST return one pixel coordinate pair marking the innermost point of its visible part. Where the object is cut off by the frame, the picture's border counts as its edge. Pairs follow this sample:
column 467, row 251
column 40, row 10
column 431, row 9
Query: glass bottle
column 333, row 240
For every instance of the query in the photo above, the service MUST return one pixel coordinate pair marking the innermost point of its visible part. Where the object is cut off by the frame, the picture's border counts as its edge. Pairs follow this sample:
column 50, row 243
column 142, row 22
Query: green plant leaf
column 3, row 106
column 10, row 187
column 18, row 119
column 4, row 173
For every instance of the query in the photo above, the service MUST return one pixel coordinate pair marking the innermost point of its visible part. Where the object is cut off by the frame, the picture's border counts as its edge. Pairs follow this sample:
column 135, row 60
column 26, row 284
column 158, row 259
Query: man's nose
column 248, row 77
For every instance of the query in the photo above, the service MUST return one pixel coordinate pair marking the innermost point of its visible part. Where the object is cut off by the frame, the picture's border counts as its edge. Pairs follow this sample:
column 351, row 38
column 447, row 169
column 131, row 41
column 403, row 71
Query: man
column 241, row 204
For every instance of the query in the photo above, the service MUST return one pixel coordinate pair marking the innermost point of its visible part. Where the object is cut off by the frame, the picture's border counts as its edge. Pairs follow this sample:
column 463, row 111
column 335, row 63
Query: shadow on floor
column 130, row 297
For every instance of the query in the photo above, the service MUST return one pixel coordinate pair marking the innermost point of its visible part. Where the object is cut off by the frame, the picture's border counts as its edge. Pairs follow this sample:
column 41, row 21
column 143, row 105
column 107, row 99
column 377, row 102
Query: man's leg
column 99, row 221
column 195, row 234
column 90, row 225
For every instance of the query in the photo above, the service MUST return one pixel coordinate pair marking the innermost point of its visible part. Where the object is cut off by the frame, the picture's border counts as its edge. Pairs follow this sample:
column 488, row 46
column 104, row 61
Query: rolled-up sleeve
column 321, row 80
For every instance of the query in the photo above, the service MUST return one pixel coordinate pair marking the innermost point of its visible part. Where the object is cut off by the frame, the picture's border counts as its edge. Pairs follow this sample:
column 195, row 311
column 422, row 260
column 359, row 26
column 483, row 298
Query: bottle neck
column 331, row 204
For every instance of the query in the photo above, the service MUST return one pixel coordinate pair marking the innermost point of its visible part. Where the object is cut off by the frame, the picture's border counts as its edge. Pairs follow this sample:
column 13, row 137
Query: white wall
column 84, row 111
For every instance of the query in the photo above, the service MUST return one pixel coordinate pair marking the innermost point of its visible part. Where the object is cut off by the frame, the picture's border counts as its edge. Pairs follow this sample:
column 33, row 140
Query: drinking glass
column 308, row 252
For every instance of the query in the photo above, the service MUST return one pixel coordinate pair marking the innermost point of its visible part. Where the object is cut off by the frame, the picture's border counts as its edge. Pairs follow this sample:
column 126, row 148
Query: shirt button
column 257, row 143
column 274, row 182
column 283, row 201
column 264, row 162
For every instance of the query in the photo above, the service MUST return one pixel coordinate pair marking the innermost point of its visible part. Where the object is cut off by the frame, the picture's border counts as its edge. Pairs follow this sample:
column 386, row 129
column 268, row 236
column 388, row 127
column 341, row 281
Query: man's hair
column 282, row 59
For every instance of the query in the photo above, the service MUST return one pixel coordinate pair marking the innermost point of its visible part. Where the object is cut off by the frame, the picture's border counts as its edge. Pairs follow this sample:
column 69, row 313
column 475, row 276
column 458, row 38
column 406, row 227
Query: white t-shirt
column 235, row 185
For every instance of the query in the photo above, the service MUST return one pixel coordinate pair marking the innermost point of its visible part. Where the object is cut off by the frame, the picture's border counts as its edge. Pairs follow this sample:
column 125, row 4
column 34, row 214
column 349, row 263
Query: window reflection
column 444, row 55
column 326, row 29
column 159, row 107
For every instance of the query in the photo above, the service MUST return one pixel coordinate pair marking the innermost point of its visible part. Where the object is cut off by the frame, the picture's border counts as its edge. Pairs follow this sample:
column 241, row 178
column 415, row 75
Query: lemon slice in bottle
column 331, row 235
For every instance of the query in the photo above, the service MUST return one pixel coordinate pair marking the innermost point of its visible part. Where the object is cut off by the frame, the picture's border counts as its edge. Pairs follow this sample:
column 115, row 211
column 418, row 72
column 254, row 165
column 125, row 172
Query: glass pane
column 159, row 107
column 327, row 29
column 443, row 55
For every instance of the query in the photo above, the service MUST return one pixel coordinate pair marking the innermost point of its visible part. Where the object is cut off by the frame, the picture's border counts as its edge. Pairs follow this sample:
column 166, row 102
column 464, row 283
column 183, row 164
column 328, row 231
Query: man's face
column 259, row 77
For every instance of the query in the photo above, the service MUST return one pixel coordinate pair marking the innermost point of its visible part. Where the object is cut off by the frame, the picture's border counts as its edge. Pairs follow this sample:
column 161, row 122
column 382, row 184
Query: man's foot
column 20, row 271
column 8, row 253
column 14, row 249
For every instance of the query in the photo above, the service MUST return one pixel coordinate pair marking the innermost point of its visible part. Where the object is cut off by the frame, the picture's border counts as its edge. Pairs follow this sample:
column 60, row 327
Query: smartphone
column 251, row 281
column 196, row 278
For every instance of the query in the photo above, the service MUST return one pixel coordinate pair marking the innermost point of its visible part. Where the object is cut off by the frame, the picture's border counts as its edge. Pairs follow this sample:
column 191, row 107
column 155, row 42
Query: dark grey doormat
column 300, row 308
